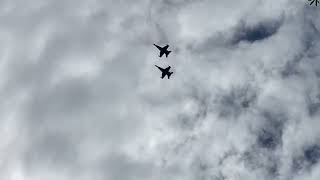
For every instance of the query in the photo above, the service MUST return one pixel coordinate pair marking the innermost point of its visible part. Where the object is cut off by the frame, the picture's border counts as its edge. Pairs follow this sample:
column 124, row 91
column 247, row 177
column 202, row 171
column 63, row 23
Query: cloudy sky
column 81, row 97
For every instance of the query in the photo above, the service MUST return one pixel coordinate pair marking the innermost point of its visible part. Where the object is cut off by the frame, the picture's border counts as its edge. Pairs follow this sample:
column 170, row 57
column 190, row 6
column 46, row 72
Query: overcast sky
column 81, row 98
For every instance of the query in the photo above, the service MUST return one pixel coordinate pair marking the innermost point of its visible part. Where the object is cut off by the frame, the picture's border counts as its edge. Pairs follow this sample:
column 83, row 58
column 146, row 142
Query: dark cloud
column 313, row 105
column 235, row 102
column 270, row 135
column 312, row 154
column 262, row 161
column 307, row 159
column 257, row 32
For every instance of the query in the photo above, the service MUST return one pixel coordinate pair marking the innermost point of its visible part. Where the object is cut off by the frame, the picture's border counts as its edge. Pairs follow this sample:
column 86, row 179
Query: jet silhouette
column 165, row 72
column 163, row 50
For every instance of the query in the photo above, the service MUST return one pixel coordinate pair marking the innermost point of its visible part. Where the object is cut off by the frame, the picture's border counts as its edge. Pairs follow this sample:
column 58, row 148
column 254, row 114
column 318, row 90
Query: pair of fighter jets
column 165, row 71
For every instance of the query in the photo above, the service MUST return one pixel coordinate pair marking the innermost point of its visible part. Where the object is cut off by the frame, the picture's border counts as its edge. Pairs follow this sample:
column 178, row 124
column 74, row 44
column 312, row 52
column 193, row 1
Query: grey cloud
column 119, row 166
column 84, row 101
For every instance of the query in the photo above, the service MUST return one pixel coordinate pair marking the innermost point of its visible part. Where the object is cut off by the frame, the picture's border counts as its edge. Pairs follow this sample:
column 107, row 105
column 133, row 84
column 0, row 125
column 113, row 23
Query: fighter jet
column 163, row 50
column 165, row 72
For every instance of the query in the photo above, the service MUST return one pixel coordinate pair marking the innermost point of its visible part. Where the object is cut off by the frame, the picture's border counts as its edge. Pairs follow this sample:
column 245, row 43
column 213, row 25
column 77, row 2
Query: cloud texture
column 81, row 98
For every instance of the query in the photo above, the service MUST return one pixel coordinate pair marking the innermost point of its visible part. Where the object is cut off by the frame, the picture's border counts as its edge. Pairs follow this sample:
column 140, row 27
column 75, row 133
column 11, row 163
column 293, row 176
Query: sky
column 81, row 97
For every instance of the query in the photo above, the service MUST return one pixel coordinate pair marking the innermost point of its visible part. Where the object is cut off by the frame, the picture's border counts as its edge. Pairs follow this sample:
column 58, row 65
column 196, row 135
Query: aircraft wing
column 161, row 53
column 163, row 75
column 166, row 47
